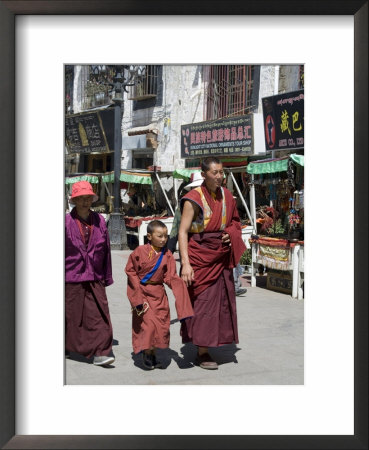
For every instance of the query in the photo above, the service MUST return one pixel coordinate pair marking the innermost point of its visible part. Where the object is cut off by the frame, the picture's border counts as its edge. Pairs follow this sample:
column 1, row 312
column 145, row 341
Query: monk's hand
column 226, row 239
column 187, row 274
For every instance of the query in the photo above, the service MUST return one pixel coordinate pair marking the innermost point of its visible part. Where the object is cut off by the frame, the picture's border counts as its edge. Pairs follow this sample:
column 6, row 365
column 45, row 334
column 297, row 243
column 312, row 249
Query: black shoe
column 150, row 361
column 147, row 360
column 241, row 291
column 156, row 363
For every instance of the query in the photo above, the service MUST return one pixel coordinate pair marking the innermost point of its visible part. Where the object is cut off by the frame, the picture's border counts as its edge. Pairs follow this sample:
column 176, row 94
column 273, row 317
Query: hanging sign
column 84, row 133
column 227, row 137
column 284, row 121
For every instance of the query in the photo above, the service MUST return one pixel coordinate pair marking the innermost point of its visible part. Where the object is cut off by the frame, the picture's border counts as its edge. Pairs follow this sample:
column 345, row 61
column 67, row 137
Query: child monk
column 148, row 267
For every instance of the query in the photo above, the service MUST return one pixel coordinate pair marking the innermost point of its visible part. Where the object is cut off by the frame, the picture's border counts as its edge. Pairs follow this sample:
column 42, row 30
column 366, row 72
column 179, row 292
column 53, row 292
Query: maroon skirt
column 215, row 320
column 88, row 329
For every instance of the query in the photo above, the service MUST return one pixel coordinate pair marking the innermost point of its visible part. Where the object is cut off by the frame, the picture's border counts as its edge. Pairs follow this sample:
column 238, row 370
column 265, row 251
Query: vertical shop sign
column 231, row 136
column 284, row 121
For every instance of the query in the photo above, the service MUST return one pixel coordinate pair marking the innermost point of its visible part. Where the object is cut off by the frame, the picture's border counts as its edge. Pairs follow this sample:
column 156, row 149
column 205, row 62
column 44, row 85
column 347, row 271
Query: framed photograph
column 330, row 410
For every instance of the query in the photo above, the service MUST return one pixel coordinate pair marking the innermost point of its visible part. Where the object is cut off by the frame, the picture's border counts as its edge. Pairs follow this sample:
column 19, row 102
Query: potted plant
column 246, row 260
column 294, row 225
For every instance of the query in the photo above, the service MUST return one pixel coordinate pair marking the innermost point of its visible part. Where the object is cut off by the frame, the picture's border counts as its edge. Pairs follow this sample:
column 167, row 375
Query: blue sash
column 154, row 269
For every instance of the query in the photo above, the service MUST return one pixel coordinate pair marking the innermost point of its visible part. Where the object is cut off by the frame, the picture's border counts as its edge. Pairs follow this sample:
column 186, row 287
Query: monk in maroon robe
column 210, row 245
column 88, row 328
column 146, row 293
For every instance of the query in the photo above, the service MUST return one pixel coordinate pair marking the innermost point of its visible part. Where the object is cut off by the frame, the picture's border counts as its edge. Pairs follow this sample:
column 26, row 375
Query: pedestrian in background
column 237, row 272
column 210, row 246
column 88, row 329
column 149, row 267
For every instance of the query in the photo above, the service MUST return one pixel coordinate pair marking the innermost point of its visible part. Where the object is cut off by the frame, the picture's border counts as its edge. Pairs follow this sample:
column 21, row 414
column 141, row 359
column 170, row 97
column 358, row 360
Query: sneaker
column 241, row 291
column 103, row 360
column 67, row 354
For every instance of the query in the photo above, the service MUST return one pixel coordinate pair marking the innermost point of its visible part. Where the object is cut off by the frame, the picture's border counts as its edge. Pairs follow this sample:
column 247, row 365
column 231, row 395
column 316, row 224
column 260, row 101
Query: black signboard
column 284, row 121
column 227, row 137
column 90, row 132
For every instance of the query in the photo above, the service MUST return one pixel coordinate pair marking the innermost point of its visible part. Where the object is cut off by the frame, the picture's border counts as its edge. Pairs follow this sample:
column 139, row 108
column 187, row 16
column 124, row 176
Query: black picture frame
column 8, row 10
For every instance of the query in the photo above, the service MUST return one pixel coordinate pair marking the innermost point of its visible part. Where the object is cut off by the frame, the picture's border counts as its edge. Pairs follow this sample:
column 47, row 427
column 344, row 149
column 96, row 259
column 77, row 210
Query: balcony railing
column 146, row 85
column 95, row 95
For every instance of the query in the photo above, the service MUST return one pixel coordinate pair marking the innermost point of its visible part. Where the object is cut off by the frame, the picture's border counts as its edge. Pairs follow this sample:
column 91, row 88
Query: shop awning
column 74, row 179
column 129, row 177
column 185, row 174
column 273, row 165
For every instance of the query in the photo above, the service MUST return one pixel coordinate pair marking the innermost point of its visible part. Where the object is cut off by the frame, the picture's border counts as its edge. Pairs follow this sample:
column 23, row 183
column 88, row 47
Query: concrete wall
column 182, row 103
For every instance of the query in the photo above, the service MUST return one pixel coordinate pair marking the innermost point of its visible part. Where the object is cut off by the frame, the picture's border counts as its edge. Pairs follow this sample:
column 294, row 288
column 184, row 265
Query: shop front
column 278, row 244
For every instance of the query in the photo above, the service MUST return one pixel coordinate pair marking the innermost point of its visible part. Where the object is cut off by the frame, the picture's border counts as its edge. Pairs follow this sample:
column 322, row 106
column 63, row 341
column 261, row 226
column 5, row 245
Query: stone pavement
column 270, row 351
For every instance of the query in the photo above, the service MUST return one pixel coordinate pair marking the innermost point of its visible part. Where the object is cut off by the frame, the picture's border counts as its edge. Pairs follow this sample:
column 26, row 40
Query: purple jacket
column 93, row 263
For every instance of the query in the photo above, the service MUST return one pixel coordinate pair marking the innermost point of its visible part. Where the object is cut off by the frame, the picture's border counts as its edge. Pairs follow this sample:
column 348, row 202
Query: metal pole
column 295, row 270
column 117, row 226
column 165, row 194
column 252, row 201
column 242, row 199
column 175, row 187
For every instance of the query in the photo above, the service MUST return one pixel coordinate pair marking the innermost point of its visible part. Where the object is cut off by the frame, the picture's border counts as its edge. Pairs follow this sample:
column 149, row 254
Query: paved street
column 270, row 351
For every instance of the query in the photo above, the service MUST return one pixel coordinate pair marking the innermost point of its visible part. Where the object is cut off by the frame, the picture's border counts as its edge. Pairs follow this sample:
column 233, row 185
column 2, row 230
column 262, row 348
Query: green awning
column 90, row 178
column 185, row 174
column 298, row 159
column 273, row 166
column 129, row 177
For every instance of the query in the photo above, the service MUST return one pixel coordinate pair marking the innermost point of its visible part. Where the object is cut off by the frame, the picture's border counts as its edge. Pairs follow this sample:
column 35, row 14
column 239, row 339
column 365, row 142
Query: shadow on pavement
column 165, row 356
column 222, row 355
column 225, row 354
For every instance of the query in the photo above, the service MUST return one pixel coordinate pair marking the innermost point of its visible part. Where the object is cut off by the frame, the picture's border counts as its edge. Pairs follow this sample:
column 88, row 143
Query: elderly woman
column 88, row 329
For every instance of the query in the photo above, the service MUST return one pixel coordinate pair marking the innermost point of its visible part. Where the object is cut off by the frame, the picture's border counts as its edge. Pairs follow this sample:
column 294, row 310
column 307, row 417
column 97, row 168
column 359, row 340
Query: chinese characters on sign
column 85, row 134
column 284, row 121
column 226, row 137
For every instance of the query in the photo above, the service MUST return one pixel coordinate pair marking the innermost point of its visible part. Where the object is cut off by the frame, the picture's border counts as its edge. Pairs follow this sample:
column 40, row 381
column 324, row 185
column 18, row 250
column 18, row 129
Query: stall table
column 140, row 223
column 280, row 254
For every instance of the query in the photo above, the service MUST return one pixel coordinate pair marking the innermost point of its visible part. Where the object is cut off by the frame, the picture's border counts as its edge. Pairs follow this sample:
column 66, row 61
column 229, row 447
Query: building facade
column 160, row 102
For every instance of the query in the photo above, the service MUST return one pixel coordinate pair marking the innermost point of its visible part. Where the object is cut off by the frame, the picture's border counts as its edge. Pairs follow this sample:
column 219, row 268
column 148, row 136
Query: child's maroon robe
column 152, row 327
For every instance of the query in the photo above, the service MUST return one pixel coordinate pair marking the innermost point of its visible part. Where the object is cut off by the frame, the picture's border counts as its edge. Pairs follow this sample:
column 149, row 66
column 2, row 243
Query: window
column 68, row 89
column 146, row 84
column 96, row 90
column 301, row 77
column 142, row 160
column 230, row 90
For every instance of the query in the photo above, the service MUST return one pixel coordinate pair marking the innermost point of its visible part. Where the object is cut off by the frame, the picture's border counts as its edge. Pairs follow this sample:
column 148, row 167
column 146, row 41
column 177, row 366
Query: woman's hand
column 187, row 274
column 226, row 239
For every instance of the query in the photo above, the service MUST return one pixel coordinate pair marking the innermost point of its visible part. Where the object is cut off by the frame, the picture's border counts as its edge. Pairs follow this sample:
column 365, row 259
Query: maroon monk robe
column 88, row 328
column 212, row 292
column 152, row 327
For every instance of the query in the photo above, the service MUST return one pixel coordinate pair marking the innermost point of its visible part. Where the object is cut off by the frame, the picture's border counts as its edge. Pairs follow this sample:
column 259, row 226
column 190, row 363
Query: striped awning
column 74, row 179
column 129, row 177
column 185, row 174
column 274, row 165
